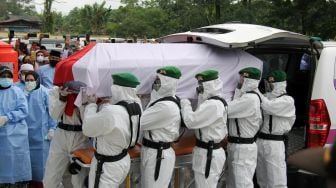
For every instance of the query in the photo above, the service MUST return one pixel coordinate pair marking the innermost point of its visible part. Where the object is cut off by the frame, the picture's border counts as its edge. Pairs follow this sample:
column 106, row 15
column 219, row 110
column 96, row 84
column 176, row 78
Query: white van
column 311, row 70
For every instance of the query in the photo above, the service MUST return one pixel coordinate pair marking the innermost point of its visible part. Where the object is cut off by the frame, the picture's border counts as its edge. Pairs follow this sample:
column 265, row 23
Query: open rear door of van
column 237, row 35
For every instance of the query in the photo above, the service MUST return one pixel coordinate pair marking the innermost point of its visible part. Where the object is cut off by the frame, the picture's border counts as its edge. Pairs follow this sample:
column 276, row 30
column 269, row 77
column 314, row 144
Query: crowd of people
column 40, row 125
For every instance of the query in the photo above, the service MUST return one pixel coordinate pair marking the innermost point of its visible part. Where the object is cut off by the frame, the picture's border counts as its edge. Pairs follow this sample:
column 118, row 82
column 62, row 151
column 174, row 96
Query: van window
column 273, row 62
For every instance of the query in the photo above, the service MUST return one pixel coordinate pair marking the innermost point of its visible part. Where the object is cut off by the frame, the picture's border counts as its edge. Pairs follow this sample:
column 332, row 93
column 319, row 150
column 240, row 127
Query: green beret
column 170, row 71
column 251, row 72
column 278, row 76
column 207, row 75
column 125, row 79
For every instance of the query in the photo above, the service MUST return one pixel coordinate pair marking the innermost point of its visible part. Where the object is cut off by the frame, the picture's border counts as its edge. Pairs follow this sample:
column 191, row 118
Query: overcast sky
column 65, row 6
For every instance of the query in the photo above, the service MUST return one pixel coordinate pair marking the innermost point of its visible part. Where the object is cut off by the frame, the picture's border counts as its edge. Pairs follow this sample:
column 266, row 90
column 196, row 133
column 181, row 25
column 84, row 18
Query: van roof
column 238, row 35
column 329, row 44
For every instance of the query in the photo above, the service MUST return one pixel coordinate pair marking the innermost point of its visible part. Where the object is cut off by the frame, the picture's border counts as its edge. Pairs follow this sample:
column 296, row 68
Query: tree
column 48, row 21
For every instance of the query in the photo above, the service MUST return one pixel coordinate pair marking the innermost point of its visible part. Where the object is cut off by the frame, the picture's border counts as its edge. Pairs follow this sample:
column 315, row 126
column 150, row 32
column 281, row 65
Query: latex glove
column 185, row 102
column 3, row 120
column 50, row 134
column 91, row 99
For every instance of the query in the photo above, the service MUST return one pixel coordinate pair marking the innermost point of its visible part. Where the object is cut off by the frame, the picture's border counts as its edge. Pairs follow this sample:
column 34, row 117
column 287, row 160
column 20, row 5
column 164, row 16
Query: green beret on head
column 170, row 71
column 251, row 72
column 125, row 79
column 277, row 76
column 207, row 75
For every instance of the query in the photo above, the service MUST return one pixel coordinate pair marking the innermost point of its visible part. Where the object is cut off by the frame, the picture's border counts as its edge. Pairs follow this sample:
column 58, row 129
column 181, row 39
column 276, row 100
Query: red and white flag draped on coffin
column 94, row 65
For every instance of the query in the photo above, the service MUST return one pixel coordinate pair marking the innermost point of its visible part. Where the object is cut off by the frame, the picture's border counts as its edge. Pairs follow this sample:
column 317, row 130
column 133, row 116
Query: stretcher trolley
column 81, row 158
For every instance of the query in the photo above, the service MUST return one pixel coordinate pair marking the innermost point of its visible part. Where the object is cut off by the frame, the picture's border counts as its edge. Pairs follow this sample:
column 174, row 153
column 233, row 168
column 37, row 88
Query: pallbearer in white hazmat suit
column 209, row 121
column 115, row 129
column 160, row 124
column 279, row 117
column 244, row 122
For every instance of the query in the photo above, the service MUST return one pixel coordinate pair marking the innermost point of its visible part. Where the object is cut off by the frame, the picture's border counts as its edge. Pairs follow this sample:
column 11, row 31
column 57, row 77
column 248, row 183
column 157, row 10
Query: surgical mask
column 21, row 57
column 200, row 88
column 157, row 84
column 30, row 85
column 40, row 59
column 6, row 82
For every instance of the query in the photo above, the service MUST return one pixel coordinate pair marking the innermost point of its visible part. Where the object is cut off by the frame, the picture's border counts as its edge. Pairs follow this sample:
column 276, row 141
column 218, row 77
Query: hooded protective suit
column 47, row 74
column 160, row 122
column 14, row 145
column 244, row 109
column 111, row 128
column 63, row 142
column 271, row 167
column 210, row 119
column 39, row 124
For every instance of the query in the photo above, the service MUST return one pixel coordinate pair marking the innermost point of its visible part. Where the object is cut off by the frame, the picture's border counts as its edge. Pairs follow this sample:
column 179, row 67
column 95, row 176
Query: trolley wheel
column 74, row 168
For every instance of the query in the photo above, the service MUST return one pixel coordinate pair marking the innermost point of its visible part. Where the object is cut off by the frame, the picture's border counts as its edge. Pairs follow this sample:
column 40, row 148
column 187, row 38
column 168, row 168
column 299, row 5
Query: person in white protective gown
column 160, row 124
column 68, row 136
column 209, row 121
column 111, row 127
column 244, row 122
column 279, row 117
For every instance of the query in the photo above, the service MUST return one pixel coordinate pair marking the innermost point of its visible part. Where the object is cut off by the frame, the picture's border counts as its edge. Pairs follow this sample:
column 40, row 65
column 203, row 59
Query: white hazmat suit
column 244, row 109
column 209, row 120
column 111, row 128
column 63, row 143
column 278, row 108
column 160, row 123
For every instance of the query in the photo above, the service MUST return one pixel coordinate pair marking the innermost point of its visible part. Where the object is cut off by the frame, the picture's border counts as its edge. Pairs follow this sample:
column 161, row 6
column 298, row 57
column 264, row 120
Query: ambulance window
column 273, row 62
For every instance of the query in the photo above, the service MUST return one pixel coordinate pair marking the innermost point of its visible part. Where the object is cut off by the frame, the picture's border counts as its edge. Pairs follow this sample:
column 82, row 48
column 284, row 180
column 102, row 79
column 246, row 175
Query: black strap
column 261, row 112
column 225, row 106
column 253, row 92
column 133, row 109
column 67, row 127
column 271, row 117
column 206, row 145
column 101, row 159
column 237, row 127
column 271, row 137
column 209, row 146
column 159, row 146
column 270, row 124
column 240, row 140
column 177, row 101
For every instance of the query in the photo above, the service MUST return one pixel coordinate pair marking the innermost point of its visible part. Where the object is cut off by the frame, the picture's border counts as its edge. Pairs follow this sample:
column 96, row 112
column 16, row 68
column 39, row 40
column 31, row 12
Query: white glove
column 185, row 102
column 3, row 120
column 50, row 134
column 91, row 99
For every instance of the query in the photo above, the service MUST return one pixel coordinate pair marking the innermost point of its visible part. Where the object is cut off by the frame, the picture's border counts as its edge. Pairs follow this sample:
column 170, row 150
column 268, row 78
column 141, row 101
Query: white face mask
column 30, row 86
column 21, row 57
column 40, row 59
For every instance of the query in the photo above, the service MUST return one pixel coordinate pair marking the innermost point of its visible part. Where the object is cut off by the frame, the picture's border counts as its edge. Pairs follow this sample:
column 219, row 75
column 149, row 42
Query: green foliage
column 155, row 18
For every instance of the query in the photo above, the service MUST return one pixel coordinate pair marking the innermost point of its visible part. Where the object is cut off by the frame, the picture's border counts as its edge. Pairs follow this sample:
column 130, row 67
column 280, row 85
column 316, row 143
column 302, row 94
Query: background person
column 15, row 169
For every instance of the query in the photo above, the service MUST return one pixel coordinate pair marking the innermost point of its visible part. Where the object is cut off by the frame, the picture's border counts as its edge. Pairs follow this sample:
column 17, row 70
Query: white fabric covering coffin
column 95, row 67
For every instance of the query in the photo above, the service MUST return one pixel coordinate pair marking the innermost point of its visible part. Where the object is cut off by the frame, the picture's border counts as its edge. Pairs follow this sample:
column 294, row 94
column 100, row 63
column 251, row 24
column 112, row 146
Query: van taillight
column 319, row 123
